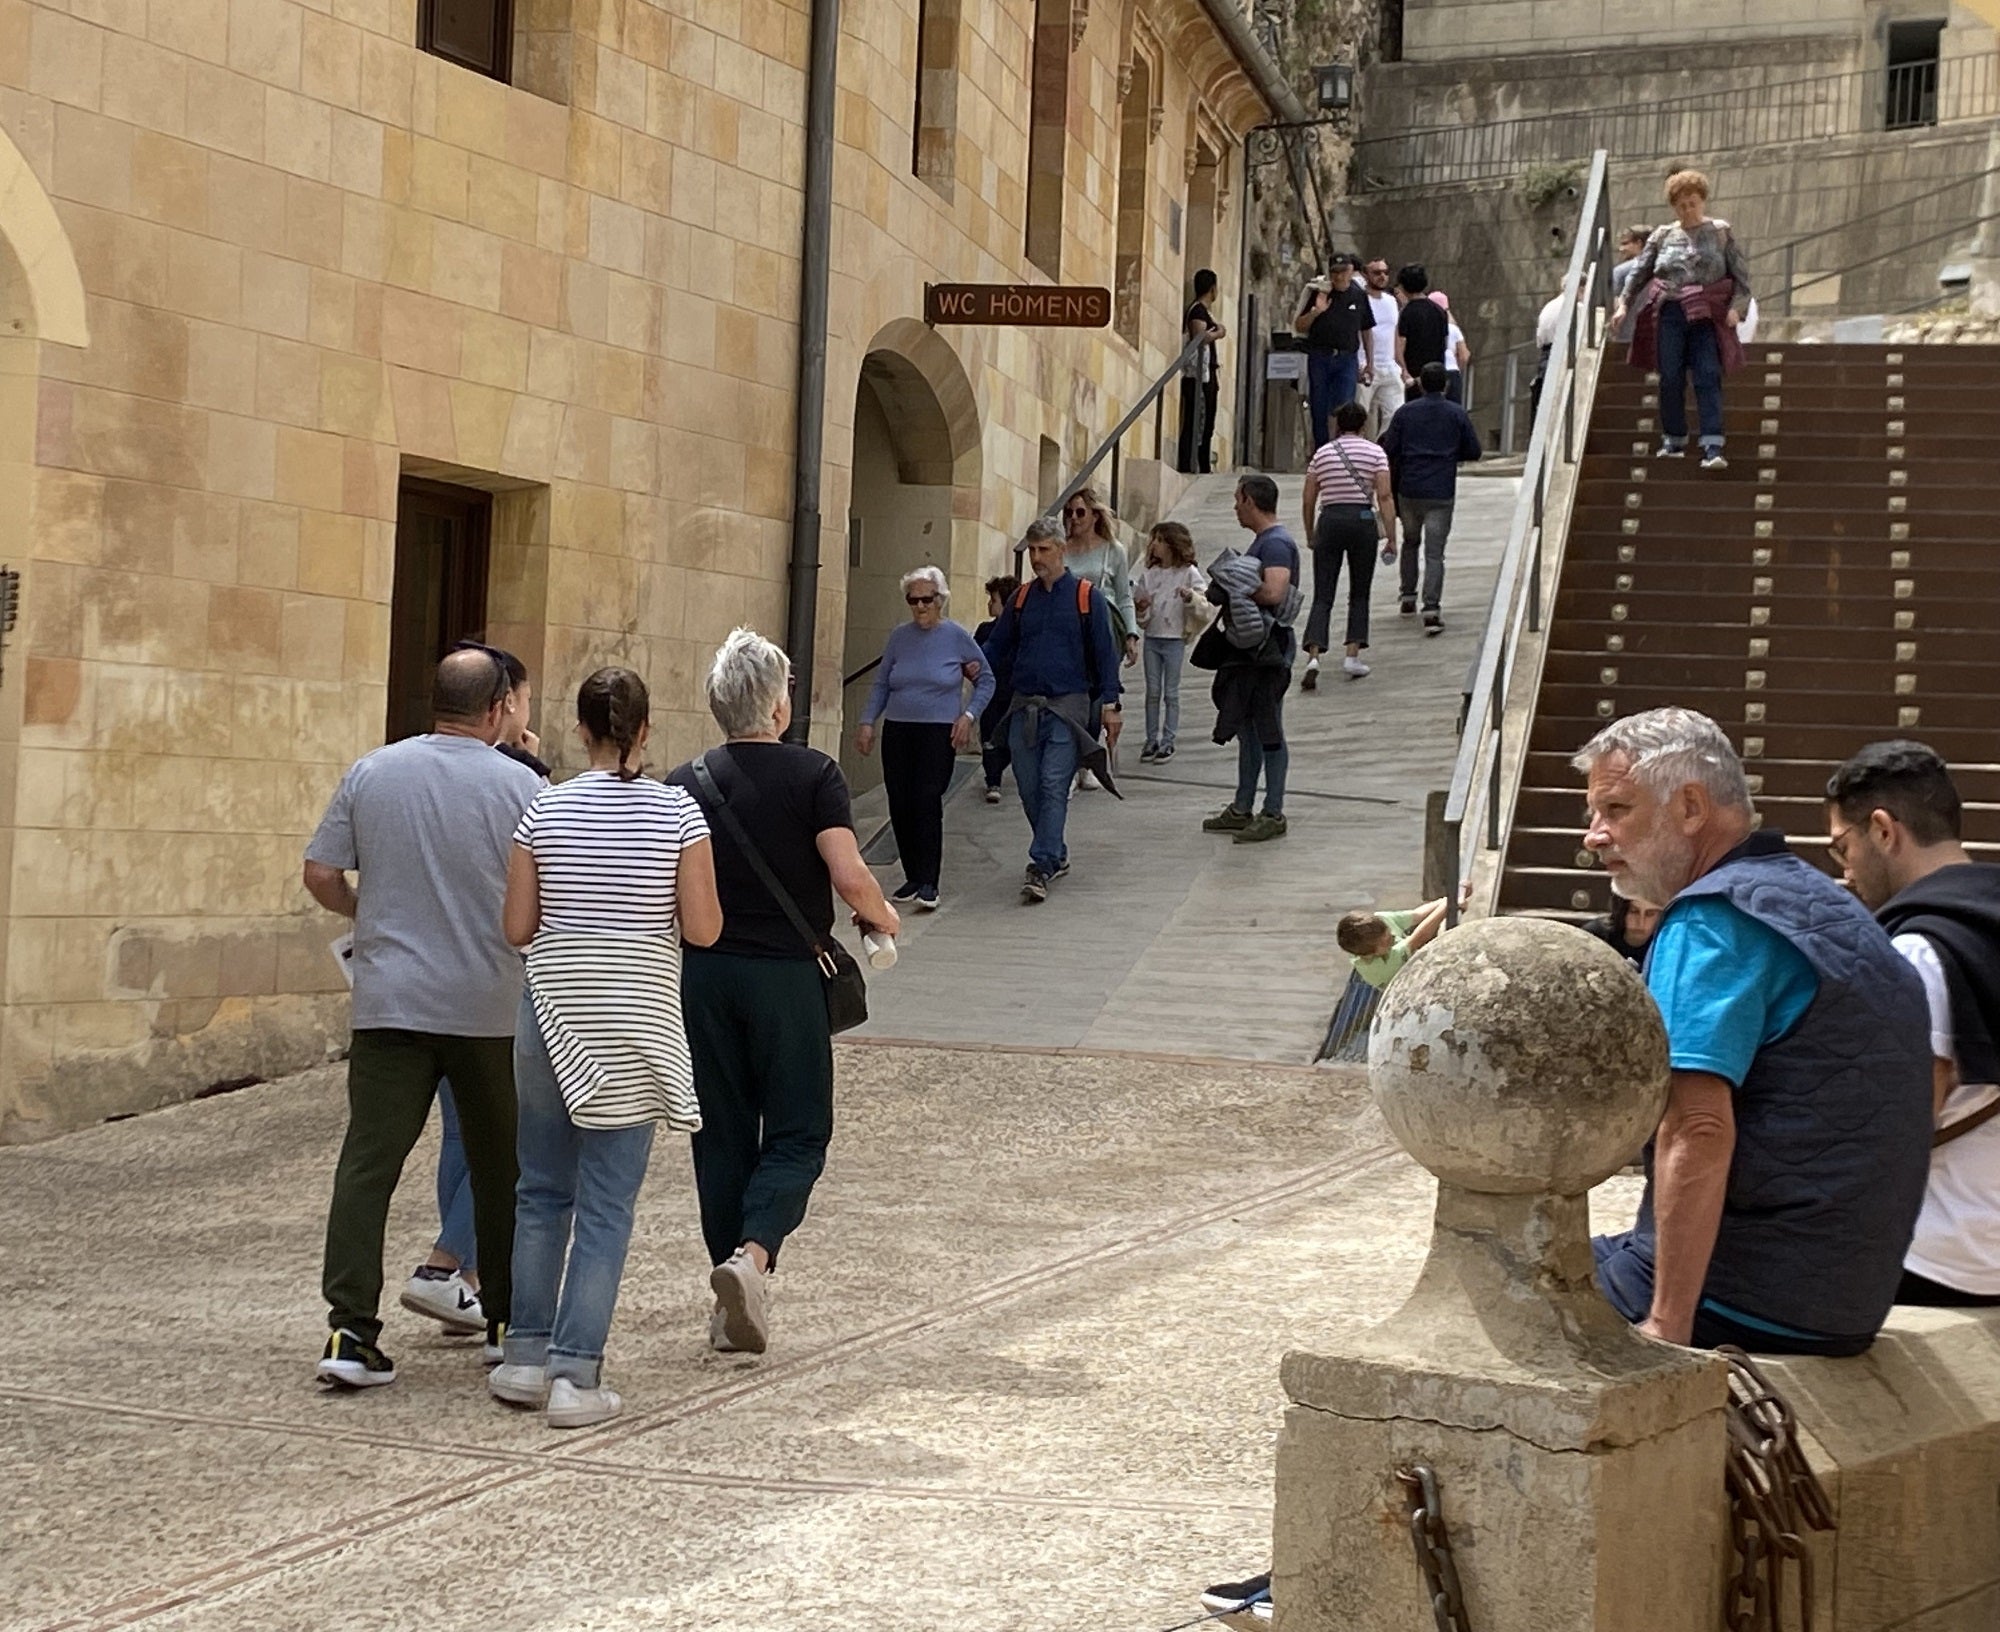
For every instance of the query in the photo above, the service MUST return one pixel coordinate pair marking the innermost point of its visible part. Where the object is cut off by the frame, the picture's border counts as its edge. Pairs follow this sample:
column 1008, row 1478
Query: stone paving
column 1025, row 1368
column 1167, row 938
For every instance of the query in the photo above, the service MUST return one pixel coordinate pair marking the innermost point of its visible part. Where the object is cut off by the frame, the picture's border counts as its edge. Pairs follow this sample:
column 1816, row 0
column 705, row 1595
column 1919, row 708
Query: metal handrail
column 1517, row 595
column 1904, row 97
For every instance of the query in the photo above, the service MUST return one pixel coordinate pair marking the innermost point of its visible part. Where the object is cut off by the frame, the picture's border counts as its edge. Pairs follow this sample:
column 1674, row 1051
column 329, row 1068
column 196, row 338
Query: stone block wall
column 318, row 260
column 1436, row 30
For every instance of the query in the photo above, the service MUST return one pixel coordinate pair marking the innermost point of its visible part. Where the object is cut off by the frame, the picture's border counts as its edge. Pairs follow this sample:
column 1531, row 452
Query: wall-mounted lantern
column 1336, row 86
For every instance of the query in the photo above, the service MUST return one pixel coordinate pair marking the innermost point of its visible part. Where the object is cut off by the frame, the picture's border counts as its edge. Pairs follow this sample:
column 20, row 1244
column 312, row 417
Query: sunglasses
column 1077, row 510
column 921, row 600
column 502, row 686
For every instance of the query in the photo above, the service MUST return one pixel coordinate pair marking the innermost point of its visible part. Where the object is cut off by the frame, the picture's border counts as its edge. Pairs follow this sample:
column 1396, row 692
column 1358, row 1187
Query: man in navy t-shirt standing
column 1250, row 686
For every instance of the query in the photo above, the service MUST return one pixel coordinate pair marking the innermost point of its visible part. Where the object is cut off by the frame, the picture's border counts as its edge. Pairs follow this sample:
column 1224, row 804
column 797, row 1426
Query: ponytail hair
column 613, row 706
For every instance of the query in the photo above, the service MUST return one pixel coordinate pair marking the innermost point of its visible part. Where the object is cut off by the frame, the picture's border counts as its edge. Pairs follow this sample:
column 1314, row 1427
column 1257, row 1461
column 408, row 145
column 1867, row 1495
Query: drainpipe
column 802, row 620
column 1233, row 24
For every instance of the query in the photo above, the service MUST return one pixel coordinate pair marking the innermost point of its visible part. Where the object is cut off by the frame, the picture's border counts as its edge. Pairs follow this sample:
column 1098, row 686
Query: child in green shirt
column 1381, row 942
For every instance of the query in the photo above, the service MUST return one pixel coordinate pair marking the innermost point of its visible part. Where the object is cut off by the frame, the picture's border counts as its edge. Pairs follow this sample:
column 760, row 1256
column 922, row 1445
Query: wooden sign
column 1039, row 305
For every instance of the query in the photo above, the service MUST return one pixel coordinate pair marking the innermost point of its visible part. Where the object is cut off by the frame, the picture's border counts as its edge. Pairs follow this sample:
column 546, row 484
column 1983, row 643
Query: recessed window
column 1135, row 138
column 443, row 538
column 475, row 34
column 1048, row 133
column 934, row 154
column 1912, row 76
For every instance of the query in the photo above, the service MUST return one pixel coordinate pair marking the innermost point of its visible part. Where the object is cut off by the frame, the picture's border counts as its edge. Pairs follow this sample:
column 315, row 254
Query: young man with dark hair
column 1423, row 331
column 1385, row 392
column 1893, row 817
column 1335, row 320
column 1200, row 387
column 1426, row 442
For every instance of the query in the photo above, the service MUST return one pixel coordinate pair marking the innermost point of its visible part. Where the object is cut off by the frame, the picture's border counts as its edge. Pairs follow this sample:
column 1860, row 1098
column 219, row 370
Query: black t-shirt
column 1424, row 329
column 1340, row 326
column 785, row 796
column 1204, row 365
column 521, row 756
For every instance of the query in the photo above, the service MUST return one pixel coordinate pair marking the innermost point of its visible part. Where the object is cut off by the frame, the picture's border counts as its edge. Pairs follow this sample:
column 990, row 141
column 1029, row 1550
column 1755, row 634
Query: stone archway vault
column 45, row 298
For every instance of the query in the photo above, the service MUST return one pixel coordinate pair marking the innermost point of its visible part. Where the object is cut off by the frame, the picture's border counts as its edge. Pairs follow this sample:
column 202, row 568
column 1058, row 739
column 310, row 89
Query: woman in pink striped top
column 1347, row 486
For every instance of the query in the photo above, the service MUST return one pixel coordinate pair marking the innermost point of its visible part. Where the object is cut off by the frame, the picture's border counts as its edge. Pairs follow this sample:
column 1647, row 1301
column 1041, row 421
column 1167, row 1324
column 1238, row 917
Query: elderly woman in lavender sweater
column 927, row 718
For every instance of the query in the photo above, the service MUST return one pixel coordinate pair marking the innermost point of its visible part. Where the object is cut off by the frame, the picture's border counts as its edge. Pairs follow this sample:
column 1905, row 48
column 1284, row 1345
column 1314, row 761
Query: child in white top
column 1166, row 594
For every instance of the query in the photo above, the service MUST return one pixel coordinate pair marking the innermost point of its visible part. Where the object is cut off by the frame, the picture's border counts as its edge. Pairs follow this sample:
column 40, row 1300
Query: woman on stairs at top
column 1687, row 293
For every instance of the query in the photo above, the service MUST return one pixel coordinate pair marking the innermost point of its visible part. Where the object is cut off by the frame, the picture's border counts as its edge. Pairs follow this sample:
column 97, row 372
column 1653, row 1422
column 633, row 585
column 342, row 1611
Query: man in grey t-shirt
column 427, row 823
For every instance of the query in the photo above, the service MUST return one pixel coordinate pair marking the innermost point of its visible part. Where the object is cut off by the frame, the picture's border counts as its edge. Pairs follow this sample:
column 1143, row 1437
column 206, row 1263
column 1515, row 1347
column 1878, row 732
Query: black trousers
column 763, row 1072
column 1342, row 532
column 1920, row 1289
column 1197, row 459
column 916, row 771
column 392, row 1077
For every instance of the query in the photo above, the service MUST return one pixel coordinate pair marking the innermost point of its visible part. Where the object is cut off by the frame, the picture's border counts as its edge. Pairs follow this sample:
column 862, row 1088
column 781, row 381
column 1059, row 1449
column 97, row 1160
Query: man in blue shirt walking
column 1052, row 648
column 1426, row 443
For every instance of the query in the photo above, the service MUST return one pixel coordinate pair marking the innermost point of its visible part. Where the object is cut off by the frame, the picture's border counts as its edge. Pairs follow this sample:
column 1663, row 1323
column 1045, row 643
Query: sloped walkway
column 1171, row 940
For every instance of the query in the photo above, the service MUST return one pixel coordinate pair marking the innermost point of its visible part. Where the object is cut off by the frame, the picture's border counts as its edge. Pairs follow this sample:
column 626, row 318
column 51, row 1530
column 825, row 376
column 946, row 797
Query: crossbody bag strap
column 758, row 865
column 1965, row 1124
column 1366, row 489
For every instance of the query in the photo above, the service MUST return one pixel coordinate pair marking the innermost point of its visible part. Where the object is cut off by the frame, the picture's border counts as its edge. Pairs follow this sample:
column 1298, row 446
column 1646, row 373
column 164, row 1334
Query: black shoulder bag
column 846, row 991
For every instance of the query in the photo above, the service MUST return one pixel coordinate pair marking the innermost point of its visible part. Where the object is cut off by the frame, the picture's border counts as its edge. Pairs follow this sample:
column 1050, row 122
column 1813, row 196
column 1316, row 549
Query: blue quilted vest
column 1833, row 1121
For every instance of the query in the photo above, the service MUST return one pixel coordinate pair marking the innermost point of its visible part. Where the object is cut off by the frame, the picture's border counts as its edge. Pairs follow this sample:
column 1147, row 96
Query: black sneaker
column 351, row 1363
column 1230, row 1595
column 1062, row 870
column 1433, row 622
column 1164, row 755
column 1407, row 606
column 905, row 891
column 1148, row 754
column 927, row 898
column 1035, row 887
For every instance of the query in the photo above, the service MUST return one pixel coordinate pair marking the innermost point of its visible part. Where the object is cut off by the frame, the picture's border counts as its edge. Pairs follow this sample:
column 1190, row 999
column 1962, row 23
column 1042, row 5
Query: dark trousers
column 763, row 1072
column 994, row 753
column 1194, row 452
column 392, row 1077
column 1454, row 386
column 1342, row 532
column 1920, row 1289
column 1331, row 379
column 916, row 771
column 1426, row 531
column 1689, row 348
column 1625, row 1278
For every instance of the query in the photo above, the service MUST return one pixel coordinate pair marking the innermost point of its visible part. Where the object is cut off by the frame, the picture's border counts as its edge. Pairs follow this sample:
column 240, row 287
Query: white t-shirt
column 1957, row 1243
column 607, row 853
column 1548, row 327
column 1454, row 337
column 1165, row 618
column 1382, row 338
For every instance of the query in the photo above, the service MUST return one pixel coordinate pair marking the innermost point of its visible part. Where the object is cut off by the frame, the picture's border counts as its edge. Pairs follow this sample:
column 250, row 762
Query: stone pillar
column 1580, row 1465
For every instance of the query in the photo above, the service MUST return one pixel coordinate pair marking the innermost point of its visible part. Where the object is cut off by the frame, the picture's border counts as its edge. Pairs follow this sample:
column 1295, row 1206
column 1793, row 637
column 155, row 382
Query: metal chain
column 1774, row 1497
column 1433, row 1544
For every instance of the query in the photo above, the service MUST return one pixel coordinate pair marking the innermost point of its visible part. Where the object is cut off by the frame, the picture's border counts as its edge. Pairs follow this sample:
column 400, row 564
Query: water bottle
column 881, row 950
column 1388, row 554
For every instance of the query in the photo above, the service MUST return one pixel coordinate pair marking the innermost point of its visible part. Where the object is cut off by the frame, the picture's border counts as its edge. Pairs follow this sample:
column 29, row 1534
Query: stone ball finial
column 1517, row 1056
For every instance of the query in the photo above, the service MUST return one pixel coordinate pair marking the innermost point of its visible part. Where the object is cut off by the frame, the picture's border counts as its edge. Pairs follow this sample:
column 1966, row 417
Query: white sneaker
column 1353, row 668
column 519, row 1385
column 1087, row 780
column 739, row 1286
column 573, row 1407
column 443, row 1296
column 718, row 1335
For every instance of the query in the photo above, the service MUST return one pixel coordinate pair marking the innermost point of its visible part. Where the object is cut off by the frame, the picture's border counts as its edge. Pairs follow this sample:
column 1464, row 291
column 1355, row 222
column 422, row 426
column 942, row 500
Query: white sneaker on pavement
column 443, row 1295
column 1353, row 668
column 519, row 1385
column 573, row 1407
column 740, row 1287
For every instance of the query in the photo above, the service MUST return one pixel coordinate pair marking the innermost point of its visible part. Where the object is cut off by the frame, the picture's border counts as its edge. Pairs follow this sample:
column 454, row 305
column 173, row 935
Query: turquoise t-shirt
column 1726, row 986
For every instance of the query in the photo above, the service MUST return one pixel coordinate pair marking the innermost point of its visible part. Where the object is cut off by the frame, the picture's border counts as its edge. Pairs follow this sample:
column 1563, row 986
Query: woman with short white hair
column 754, row 1003
column 920, row 697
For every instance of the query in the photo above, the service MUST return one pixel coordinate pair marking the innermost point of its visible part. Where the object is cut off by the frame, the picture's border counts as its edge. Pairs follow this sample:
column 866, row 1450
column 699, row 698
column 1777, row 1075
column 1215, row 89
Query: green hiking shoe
column 1227, row 820
column 1260, row 828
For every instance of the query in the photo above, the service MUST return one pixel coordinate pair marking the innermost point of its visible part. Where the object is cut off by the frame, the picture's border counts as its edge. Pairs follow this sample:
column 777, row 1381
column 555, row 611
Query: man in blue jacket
column 1052, row 648
column 1426, row 442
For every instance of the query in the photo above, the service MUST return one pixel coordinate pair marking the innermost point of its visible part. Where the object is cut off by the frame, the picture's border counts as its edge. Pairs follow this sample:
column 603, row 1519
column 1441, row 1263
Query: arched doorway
column 913, row 502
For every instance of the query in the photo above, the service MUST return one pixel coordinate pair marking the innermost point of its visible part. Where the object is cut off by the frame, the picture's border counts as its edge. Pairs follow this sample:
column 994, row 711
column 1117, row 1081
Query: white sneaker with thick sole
column 519, row 1385
column 1353, row 668
column 573, row 1407
column 443, row 1296
column 740, row 1287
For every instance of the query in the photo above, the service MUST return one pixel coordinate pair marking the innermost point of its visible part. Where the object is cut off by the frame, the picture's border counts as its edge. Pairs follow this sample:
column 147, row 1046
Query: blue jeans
column 1689, row 348
column 564, row 1288
column 1625, row 1277
column 1252, row 760
column 1163, row 688
column 1332, row 378
column 1045, row 761
column 454, row 1186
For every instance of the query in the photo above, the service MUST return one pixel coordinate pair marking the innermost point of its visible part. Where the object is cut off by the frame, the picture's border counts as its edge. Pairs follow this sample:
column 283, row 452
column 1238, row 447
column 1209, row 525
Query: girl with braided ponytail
column 610, row 874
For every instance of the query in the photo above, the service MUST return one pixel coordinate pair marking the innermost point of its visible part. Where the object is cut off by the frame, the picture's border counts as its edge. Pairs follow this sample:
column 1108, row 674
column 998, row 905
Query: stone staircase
column 1838, row 584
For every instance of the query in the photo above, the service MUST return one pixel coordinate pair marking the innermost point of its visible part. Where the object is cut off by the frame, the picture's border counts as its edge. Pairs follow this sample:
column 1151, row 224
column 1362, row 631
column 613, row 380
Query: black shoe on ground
column 1148, row 754
column 1035, row 887
column 1062, row 870
column 1407, row 606
column 350, row 1363
column 1433, row 622
column 1164, row 755
column 1237, row 1594
column 905, row 891
column 927, row 898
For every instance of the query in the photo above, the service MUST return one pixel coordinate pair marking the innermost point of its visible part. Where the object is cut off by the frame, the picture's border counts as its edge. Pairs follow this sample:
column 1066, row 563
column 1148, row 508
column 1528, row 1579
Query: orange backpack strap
column 1083, row 598
column 1021, row 597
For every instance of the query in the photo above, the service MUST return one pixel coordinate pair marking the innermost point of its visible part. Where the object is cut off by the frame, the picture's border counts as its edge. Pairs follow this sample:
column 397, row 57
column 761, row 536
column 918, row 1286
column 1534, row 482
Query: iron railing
column 1477, row 773
column 1910, row 96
